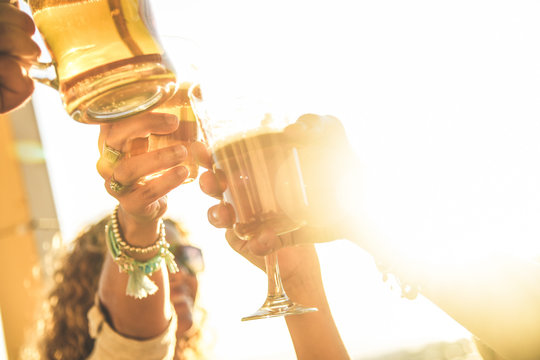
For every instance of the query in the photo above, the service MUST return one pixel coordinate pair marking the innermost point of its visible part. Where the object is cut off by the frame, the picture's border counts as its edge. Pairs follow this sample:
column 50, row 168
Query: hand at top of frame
column 129, row 169
column 17, row 52
column 329, row 168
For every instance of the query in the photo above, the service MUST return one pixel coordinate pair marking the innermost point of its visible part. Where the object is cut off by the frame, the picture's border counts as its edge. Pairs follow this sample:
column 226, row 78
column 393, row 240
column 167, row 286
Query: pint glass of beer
column 107, row 58
column 264, row 180
column 187, row 131
column 184, row 54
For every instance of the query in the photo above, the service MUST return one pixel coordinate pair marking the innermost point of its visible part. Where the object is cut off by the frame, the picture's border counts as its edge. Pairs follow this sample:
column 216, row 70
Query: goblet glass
column 264, row 181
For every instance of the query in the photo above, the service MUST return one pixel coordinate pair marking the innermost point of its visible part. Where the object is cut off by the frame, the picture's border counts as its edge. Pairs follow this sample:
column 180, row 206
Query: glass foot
column 281, row 306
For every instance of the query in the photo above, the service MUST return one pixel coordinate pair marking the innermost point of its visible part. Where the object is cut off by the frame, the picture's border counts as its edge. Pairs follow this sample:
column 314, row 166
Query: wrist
column 136, row 231
column 304, row 279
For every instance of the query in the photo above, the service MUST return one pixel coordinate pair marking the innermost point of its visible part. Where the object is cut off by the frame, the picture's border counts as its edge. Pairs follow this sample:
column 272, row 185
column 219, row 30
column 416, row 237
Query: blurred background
column 440, row 101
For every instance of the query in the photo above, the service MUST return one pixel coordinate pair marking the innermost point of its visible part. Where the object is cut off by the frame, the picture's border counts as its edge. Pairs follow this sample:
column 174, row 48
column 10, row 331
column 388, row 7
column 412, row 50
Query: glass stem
column 275, row 287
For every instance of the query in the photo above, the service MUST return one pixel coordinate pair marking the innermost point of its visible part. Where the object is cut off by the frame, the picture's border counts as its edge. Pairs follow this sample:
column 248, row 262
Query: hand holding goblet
column 264, row 186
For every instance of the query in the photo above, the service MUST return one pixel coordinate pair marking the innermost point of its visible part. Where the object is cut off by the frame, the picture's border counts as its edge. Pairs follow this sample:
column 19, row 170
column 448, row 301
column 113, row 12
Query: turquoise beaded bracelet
column 139, row 284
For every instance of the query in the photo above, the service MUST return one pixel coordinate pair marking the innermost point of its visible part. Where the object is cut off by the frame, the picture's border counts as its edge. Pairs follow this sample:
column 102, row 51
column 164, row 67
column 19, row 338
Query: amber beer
column 188, row 129
column 108, row 61
column 264, row 182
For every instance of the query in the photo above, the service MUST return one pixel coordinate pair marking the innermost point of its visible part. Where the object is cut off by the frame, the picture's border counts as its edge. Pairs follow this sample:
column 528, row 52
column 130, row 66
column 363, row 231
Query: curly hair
column 62, row 331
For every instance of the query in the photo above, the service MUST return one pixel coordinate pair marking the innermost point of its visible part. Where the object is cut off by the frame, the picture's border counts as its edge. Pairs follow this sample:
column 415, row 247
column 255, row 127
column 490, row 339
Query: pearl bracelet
column 160, row 242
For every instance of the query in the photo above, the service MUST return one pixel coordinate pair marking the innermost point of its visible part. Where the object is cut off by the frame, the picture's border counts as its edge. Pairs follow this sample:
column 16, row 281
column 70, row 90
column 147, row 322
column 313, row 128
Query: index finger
column 202, row 154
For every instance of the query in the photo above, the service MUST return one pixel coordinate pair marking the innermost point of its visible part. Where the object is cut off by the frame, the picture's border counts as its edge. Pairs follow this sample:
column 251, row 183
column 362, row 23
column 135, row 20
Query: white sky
column 441, row 102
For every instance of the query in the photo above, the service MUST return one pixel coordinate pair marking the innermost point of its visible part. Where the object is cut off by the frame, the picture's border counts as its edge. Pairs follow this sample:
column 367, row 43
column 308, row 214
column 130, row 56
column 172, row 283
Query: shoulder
column 111, row 345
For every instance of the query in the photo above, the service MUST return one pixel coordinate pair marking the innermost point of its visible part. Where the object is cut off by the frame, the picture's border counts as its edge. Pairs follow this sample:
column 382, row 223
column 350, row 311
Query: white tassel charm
column 169, row 261
column 139, row 285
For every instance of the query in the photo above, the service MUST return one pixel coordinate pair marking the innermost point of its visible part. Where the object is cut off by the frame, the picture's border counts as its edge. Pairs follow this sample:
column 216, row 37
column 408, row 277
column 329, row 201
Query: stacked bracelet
column 125, row 247
column 139, row 284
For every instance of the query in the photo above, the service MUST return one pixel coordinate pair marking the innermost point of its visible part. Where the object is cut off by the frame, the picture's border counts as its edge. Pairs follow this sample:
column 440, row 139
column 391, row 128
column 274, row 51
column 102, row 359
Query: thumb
column 241, row 247
column 265, row 242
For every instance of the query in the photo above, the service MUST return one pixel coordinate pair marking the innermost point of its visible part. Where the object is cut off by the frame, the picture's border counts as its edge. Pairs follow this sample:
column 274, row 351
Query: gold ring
column 111, row 155
column 116, row 186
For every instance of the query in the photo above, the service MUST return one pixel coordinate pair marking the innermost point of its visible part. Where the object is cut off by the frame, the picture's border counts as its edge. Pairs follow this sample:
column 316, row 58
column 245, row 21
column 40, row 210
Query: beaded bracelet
column 139, row 284
column 160, row 242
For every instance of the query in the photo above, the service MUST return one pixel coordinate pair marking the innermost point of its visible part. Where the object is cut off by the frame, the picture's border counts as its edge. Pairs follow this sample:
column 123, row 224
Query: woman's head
column 63, row 328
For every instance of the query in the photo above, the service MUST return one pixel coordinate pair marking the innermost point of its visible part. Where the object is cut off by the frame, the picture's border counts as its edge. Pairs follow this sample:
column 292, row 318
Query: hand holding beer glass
column 107, row 59
column 264, row 181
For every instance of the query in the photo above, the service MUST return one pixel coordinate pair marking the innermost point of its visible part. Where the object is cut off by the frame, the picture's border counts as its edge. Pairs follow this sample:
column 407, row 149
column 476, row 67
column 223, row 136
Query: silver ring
column 116, row 186
column 111, row 155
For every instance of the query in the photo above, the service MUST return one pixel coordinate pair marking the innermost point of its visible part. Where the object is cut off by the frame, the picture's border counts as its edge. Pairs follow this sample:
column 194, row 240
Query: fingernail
column 181, row 171
column 265, row 239
column 216, row 193
column 167, row 118
column 213, row 217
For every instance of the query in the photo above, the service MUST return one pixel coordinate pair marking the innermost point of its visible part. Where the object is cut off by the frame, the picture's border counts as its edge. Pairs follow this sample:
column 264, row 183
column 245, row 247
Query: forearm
column 493, row 295
column 314, row 335
column 496, row 299
column 135, row 318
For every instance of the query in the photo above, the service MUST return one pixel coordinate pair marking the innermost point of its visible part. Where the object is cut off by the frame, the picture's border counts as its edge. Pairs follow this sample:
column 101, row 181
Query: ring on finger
column 111, row 155
column 116, row 186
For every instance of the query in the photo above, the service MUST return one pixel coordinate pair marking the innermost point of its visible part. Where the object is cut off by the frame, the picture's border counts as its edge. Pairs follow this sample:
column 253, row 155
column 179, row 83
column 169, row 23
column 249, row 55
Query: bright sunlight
column 440, row 102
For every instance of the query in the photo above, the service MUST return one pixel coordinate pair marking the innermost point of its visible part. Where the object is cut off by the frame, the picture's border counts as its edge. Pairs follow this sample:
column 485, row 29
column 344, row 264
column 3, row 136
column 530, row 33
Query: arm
column 141, row 205
column 499, row 305
column 153, row 312
column 494, row 296
column 314, row 335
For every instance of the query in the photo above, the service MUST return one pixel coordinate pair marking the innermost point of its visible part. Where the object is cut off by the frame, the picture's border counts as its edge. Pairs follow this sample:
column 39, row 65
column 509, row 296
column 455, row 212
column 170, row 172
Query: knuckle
column 178, row 151
column 169, row 121
column 124, row 174
column 148, row 193
column 161, row 154
column 127, row 176
column 7, row 37
column 163, row 207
